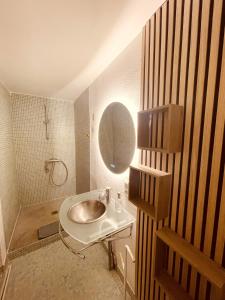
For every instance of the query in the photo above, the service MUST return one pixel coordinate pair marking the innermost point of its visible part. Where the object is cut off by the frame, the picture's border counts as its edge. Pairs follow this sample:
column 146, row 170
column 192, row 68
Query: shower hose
column 53, row 162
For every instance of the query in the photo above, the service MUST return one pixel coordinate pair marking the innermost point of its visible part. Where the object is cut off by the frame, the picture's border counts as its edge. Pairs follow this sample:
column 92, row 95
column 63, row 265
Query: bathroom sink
column 87, row 211
column 85, row 229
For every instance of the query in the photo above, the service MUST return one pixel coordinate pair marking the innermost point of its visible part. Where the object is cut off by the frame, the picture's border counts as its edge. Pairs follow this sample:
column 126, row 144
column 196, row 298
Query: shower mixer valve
column 50, row 161
column 51, row 170
column 46, row 166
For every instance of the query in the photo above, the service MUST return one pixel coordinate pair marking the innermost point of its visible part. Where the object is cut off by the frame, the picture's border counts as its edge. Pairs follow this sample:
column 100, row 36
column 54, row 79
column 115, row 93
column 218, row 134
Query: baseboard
column 6, row 273
column 14, row 228
column 33, row 247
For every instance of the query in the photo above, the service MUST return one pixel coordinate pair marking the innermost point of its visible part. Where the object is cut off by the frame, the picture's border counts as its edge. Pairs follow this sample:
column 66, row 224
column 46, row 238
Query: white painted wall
column 9, row 204
column 120, row 82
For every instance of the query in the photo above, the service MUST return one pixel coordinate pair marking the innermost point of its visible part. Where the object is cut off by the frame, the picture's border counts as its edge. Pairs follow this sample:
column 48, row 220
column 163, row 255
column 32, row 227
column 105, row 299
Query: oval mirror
column 116, row 137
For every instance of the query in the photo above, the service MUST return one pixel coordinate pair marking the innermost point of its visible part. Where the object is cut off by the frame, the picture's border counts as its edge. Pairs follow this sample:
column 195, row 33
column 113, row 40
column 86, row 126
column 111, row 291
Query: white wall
column 120, row 82
column 82, row 143
column 9, row 204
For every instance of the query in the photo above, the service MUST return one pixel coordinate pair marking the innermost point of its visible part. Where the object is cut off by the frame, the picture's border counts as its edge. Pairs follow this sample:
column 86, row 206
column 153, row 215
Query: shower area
column 44, row 145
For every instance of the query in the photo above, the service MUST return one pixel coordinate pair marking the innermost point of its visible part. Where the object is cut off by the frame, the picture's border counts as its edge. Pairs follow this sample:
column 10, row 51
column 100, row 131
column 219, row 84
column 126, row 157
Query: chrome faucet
column 108, row 194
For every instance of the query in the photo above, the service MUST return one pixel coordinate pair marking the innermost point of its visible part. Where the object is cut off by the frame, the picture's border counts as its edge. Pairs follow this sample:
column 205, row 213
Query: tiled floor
column 30, row 220
column 54, row 273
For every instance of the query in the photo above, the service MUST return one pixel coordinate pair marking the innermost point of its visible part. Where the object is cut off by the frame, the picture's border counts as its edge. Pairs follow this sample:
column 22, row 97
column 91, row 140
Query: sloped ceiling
column 57, row 48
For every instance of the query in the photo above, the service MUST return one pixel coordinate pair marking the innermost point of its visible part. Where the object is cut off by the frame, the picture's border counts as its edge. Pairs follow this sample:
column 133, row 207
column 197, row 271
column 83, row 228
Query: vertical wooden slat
column 221, row 227
column 188, row 116
column 208, row 121
column 169, row 52
column 149, row 222
column 154, row 131
column 174, row 94
column 177, row 65
column 156, row 98
column 149, row 248
column 143, row 62
column 178, row 96
column 151, row 67
column 170, row 33
column 141, row 241
column 137, row 252
column 162, row 93
column 159, row 134
column 176, row 51
column 182, row 96
column 163, row 24
column 175, row 99
column 139, row 214
column 155, row 67
column 200, row 92
column 140, row 244
column 145, row 218
column 142, row 287
column 151, row 104
column 199, row 99
column 219, row 132
column 210, row 100
column 146, row 66
column 157, row 52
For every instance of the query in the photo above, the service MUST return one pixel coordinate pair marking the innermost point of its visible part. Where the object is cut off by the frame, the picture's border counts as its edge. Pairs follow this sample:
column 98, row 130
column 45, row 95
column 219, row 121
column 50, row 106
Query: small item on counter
column 101, row 196
column 118, row 203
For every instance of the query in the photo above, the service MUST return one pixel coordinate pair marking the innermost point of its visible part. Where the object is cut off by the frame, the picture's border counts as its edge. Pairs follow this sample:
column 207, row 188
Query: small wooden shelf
column 213, row 272
column 145, row 206
column 161, row 185
column 161, row 128
column 171, row 287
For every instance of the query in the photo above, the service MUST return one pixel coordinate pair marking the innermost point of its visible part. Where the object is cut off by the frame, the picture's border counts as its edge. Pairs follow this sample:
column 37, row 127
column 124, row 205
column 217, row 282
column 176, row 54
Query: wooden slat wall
column 183, row 62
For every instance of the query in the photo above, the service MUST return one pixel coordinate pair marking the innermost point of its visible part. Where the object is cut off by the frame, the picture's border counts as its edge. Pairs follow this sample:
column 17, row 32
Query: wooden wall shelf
column 213, row 272
column 161, row 128
column 161, row 186
column 171, row 287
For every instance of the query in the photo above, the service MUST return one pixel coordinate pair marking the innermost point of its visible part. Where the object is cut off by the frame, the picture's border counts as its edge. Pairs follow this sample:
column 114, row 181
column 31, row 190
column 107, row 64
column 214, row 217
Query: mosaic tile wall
column 32, row 148
column 8, row 191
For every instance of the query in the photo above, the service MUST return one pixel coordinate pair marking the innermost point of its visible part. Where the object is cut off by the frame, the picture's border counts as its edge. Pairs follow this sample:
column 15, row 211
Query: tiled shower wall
column 32, row 148
column 8, row 190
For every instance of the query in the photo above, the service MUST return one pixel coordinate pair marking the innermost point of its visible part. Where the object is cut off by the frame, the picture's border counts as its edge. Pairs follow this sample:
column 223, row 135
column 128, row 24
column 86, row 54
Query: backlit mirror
column 116, row 137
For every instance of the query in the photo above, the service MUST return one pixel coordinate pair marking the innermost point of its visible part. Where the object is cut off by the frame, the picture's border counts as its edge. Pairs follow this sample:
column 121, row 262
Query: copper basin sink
column 87, row 211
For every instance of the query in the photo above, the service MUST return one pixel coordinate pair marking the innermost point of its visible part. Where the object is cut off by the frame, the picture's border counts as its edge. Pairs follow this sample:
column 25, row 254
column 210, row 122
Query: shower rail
column 46, row 122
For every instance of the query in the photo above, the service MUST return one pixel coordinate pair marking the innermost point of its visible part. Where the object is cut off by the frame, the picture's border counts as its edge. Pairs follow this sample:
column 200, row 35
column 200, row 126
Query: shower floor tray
column 30, row 220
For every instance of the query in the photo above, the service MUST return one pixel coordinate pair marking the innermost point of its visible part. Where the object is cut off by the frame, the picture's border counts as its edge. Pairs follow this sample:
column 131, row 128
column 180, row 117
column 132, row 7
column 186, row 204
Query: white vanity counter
column 109, row 224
